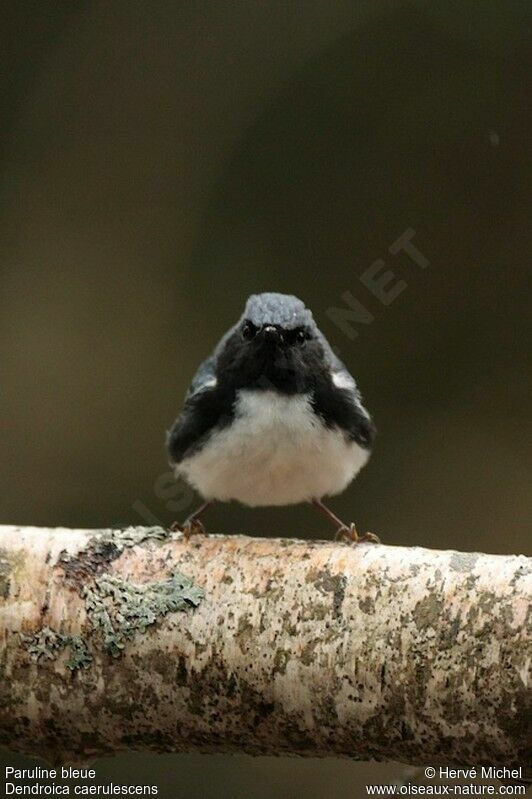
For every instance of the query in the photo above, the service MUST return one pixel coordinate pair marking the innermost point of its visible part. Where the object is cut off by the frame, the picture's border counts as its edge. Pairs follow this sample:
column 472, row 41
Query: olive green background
column 159, row 162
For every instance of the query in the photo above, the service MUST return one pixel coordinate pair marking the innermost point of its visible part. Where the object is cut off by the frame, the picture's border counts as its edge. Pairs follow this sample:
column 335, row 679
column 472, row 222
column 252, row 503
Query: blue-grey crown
column 284, row 310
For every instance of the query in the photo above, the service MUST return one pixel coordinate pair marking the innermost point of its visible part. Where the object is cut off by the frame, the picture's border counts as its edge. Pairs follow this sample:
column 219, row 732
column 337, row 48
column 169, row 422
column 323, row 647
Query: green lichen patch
column 133, row 536
column 47, row 644
column 80, row 657
column 42, row 645
column 463, row 561
column 119, row 609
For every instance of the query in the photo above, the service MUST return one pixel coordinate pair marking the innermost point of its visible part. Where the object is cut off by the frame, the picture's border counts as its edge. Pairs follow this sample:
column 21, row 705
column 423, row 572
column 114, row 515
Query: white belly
column 276, row 452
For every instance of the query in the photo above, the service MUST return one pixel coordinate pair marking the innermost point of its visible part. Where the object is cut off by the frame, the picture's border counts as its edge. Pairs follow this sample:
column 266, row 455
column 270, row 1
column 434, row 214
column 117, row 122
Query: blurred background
column 162, row 160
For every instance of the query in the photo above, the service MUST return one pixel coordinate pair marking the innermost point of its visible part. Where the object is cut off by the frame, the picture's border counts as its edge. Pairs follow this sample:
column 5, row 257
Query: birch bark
column 137, row 639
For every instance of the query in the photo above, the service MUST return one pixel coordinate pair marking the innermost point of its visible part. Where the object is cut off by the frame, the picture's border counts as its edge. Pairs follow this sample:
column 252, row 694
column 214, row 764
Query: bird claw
column 350, row 534
column 189, row 527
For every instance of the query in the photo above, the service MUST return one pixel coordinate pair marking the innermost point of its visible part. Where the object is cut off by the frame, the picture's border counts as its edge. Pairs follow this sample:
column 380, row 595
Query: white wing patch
column 343, row 380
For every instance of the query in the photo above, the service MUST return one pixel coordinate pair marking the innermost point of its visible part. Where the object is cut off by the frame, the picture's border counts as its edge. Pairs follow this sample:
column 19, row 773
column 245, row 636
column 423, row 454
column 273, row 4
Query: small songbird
column 272, row 417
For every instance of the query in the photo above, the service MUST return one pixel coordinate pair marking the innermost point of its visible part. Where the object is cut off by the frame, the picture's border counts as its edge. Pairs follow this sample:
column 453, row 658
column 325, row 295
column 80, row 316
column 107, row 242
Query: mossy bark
column 137, row 639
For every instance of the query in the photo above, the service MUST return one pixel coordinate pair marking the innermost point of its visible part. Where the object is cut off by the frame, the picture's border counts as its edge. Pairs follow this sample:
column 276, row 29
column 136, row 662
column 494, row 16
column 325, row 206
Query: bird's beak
column 271, row 335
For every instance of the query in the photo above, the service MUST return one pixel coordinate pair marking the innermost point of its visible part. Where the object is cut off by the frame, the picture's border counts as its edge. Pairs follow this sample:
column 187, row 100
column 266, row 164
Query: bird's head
column 276, row 321
column 275, row 342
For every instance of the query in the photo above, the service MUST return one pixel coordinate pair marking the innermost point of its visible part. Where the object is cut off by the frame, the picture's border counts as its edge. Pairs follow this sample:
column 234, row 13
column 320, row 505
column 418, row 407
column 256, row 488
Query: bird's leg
column 192, row 523
column 338, row 523
column 345, row 532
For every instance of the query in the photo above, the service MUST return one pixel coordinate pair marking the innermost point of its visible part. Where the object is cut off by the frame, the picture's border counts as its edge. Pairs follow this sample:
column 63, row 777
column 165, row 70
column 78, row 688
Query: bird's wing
column 205, row 407
column 204, row 378
column 342, row 378
column 338, row 403
column 342, row 404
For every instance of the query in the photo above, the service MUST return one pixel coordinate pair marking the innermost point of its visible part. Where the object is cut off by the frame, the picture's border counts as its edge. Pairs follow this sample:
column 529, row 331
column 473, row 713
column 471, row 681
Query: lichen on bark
column 119, row 609
column 46, row 644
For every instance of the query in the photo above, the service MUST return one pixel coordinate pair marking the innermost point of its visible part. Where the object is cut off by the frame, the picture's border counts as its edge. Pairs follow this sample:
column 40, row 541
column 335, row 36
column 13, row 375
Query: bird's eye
column 301, row 336
column 248, row 330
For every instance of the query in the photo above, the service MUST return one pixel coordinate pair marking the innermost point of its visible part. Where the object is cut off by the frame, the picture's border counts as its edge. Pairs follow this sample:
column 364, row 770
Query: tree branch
column 137, row 639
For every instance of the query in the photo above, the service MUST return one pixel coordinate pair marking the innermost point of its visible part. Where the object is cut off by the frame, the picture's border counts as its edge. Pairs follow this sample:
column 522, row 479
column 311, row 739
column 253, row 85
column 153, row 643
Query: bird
column 272, row 417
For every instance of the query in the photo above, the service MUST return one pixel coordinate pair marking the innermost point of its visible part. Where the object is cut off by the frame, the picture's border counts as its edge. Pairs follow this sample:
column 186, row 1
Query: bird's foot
column 189, row 527
column 192, row 524
column 350, row 534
